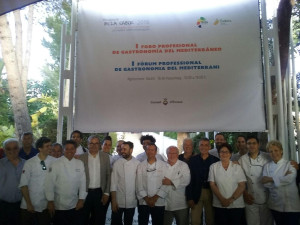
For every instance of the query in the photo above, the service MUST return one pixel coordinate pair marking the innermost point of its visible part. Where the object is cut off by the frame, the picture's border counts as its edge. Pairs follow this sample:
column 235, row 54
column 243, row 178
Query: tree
column 16, row 64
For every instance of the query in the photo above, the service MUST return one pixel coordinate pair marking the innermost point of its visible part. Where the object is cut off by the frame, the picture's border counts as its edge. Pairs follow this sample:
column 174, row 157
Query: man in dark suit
column 97, row 169
column 198, row 192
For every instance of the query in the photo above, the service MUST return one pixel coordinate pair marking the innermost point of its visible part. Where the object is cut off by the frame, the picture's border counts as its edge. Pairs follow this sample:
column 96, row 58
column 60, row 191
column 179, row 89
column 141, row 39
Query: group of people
column 70, row 184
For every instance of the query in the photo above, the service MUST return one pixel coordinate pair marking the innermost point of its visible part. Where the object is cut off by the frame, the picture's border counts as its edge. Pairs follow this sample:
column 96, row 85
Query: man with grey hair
column 177, row 177
column 97, row 170
column 188, row 150
column 10, row 172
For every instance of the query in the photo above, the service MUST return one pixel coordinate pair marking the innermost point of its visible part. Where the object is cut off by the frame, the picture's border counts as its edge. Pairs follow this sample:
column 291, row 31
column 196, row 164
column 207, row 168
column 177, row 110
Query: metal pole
column 281, row 127
column 268, row 89
column 295, row 94
column 60, row 119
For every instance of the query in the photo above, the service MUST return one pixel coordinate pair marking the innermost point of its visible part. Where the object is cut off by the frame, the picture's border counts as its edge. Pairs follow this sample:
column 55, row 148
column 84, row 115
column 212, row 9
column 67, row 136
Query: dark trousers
column 94, row 211
column 68, row 217
column 156, row 212
column 38, row 218
column 105, row 210
column 286, row 218
column 116, row 217
column 225, row 216
column 9, row 213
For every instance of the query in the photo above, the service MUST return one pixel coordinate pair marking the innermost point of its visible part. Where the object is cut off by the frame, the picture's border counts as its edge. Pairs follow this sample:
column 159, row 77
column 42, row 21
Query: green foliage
column 6, row 132
column 296, row 23
column 6, row 114
column 172, row 135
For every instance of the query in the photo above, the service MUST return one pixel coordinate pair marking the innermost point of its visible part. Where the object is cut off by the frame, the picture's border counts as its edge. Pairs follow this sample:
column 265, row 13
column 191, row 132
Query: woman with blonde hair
column 279, row 176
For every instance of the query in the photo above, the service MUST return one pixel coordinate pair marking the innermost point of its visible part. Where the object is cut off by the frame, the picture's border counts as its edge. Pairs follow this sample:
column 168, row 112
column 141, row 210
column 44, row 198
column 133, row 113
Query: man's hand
column 148, row 201
column 225, row 202
column 51, row 208
column 104, row 199
column 266, row 179
column 191, row 203
column 30, row 208
column 79, row 204
column 248, row 198
column 114, row 206
column 167, row 181
column 295, row 164
column 153, row 200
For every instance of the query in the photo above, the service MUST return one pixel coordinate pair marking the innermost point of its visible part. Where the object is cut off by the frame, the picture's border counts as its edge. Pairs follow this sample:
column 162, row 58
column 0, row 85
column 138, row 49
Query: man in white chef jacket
column 66, row 187
column 255, row 195
column 150, row 191
column 32, row 184
column 177, row 177
column 123, row 199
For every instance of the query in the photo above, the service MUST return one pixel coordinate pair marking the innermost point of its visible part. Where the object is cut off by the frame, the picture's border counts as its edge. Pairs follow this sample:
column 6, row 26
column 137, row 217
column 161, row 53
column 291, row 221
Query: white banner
column 198, row 69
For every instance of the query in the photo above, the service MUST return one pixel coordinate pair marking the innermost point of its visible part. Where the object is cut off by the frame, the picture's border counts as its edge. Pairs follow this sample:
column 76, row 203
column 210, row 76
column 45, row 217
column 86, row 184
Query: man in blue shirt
column 27, row 151
column 10, row 172
column 198, row 192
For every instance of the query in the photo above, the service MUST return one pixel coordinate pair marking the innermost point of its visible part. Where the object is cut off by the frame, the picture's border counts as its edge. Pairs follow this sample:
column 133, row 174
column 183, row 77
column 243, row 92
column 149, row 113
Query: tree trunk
column 16, row 91
column 180, row 137
column 28, row 42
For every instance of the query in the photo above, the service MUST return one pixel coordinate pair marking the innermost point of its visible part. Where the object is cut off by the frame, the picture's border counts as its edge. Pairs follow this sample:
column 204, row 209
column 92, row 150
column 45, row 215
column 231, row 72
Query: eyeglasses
column 152, row 169
column 94, row 143
column 43, row 165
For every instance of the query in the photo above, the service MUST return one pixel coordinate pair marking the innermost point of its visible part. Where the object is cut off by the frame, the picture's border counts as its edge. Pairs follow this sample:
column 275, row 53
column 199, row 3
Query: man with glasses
column 11, row 168
column 97, row 170
column 150, row 191
column 255, row 195
column 32, row 184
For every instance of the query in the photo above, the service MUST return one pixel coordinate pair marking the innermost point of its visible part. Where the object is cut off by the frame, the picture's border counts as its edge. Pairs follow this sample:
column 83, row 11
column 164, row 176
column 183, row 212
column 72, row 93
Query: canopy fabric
column 7, row 6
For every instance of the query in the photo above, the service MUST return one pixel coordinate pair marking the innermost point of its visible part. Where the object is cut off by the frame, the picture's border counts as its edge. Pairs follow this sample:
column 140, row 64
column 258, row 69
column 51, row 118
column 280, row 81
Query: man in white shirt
column 145, row 140
column 255, row 195
column 123, row 199
column 241, row 147
column 32, row 184
column 177, row 177
column 219, row 140
column 65, row 187
column 77, row 136
column 97, row 170
column 150, row 191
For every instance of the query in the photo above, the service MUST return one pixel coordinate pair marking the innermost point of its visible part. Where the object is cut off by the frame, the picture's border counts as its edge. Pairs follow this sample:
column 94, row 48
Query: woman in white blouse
column 227, row 182
column 279, row 176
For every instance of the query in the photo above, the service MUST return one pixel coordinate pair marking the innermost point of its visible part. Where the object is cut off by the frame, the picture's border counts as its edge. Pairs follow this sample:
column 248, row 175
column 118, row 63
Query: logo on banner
column 165, row 101
column 201, row 21
column 117, row 24
column 222, row 22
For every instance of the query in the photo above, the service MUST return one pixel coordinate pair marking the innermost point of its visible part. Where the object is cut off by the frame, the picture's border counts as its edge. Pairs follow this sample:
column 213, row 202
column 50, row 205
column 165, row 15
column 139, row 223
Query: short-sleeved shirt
column 33, row 152
column 33, row 177
column 227, row 181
